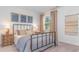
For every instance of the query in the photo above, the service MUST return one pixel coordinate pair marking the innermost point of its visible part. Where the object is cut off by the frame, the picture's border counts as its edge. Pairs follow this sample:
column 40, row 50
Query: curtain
column 41, row 23
column 53, row 22
column 53, row 25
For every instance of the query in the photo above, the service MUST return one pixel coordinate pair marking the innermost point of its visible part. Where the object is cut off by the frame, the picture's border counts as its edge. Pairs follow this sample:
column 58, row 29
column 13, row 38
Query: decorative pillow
column 20, row 32
column 23, row 32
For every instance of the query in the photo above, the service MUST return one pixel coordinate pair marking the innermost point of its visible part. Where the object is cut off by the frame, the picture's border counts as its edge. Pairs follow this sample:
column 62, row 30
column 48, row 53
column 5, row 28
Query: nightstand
column 7, row 39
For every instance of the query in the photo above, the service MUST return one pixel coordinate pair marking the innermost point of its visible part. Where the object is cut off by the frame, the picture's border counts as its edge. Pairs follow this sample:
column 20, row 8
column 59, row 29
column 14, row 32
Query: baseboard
column 76, row 44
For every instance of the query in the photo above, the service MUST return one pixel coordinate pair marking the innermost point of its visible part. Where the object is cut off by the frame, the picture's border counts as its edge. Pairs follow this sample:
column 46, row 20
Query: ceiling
column 39, row 9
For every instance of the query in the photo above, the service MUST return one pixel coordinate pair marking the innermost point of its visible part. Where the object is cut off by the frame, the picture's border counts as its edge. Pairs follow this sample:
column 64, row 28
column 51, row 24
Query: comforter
column 23, row 44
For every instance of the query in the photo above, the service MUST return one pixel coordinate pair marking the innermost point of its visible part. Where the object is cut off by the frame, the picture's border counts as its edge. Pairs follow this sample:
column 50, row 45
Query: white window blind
column 71, row 25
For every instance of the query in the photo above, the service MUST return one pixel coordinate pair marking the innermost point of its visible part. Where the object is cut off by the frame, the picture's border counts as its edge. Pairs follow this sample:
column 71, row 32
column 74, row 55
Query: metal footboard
column 42, row 40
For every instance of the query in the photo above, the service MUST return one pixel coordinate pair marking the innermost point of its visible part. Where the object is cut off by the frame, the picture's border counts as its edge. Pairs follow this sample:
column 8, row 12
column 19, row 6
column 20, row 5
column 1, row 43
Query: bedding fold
column 21, row 44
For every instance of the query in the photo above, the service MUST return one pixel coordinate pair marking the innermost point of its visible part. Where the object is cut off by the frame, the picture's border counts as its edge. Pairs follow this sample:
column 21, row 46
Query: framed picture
column 14, row 17
column 23, row 18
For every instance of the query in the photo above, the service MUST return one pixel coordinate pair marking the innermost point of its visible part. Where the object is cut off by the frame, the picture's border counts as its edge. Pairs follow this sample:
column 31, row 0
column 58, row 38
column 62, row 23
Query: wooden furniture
column 7, row 39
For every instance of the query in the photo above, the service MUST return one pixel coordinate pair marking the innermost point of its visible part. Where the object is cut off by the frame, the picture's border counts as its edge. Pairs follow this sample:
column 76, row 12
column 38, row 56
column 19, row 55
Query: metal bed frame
column 37, row 36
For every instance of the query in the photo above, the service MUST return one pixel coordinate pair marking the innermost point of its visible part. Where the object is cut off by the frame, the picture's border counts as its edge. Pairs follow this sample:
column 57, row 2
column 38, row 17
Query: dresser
column 7, row 39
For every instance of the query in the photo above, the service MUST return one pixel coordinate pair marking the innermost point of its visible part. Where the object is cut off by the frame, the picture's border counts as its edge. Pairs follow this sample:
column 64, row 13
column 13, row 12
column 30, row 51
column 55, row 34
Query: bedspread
column 22, row 43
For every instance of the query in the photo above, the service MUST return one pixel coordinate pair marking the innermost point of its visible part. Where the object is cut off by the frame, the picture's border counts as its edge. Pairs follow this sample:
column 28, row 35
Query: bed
column 29, row 42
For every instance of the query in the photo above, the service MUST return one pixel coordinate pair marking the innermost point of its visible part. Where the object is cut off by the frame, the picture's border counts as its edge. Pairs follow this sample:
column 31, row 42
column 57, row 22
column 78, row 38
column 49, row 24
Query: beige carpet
column 62, row 47
column 8, row 49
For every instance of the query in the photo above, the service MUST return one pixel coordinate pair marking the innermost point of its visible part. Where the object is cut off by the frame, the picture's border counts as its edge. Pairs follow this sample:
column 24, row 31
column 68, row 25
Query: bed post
column 13, row 32
column 31, row 43
column 55, row 38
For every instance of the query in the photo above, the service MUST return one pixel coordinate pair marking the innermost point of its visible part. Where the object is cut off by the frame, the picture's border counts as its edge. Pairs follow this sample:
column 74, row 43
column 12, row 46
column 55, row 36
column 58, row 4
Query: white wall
column 62, row 12
column 5, row 14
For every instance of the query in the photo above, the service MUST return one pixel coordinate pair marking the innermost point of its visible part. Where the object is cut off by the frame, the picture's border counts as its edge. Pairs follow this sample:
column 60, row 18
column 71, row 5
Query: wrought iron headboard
column 22, row 27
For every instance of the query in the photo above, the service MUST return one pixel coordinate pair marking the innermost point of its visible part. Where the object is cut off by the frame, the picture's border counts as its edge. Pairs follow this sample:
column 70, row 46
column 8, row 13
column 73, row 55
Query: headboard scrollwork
column 22, row 29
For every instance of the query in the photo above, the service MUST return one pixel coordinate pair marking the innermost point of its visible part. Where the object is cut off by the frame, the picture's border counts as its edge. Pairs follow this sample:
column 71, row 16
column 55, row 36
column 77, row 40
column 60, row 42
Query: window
column 23, row 18
column 30, row 19
column 47, row 24
column 14, row 17
column 71, row 24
